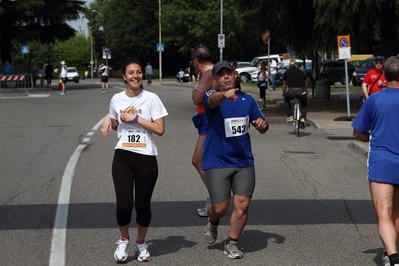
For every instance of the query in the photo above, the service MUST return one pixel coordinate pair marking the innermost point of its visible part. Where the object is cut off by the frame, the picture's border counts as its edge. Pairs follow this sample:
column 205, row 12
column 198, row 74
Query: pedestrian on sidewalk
column 228, row 159
column 148, row 73
column 262, row 85
column 377, row 122
column 180, row 76
column 202, row 60
column 237, row 76
column 374, row 80
column 273, row 73
column 63, row 76
column 104, row 69
column 295, row 80
column 135, row 114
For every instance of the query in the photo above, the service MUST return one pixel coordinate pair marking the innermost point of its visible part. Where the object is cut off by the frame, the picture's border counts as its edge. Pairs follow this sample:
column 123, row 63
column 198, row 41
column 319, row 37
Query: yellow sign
column 343, row 41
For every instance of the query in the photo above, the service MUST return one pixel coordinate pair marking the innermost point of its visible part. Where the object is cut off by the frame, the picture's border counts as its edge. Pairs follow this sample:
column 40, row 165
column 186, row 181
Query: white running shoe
column 121, row 251
column 203, row 212
column 290, row 119
column 142, row 252
column 62, row 93
column 385, row 259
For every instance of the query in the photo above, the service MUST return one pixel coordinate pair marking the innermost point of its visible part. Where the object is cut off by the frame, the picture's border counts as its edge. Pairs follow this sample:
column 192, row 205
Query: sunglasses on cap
column 378, row 63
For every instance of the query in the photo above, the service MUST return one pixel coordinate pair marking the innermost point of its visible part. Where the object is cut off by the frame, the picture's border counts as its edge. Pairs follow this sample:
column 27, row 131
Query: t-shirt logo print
column 131, row 110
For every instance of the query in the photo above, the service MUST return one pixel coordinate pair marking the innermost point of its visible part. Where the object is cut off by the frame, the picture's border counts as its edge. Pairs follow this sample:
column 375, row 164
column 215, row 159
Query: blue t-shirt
column 379, row 115
column 227, row 143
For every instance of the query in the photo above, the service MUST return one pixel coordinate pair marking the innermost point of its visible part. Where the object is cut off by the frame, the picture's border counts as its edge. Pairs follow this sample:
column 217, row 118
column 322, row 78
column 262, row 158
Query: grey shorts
column 222, row 181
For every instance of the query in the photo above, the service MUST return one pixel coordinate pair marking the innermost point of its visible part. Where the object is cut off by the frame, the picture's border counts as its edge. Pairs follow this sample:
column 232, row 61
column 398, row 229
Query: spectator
column 273, row 72
column 35, row 74
column 148, row 73
column 237, row 78
column 192, row 72
column 262, row 85
column 63, row 75
column 104, row 77
column 374, row 80
column 8, row 69
column 180, row 76
column 48, row 71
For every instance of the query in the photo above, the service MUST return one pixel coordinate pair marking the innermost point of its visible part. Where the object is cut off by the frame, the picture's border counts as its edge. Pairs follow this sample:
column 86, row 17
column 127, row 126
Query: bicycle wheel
column 297, row 118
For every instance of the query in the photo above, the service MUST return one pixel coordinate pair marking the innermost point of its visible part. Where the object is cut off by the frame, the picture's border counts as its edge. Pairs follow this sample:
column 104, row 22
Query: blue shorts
column 200, row 123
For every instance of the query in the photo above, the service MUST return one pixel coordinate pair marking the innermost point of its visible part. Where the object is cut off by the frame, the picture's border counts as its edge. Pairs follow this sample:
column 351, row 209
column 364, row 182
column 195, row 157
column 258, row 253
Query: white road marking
column 58, row 241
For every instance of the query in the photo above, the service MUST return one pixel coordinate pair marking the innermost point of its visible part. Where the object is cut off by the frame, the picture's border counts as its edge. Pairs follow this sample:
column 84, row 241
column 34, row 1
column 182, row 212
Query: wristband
column 136, row 119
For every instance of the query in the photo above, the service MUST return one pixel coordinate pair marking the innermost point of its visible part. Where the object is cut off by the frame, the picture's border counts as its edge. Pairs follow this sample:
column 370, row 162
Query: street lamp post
column 160, row 53
column 91, row 53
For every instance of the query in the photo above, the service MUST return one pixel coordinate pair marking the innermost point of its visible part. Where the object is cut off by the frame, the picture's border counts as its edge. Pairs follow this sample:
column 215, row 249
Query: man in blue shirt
column 148, row 73
column 228, row 159
column 378, row 123
column 8, row 69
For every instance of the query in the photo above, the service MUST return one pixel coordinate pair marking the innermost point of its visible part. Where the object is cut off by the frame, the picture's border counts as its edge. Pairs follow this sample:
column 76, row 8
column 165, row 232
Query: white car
column 246, row 73
column 73, row 74
column 281, row 68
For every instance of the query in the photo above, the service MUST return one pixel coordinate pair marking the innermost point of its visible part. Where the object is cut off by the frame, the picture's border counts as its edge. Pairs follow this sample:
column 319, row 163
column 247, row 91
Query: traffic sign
column 25, row 49
column 343, row 41
column 221, row 40
column 160, row 47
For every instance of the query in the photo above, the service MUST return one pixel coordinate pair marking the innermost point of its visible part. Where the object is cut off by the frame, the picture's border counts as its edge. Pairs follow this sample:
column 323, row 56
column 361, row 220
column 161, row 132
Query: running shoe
column 303, row 123
column 102, row 91
column 121, row 251
column 231, row 250
column 142, row 252
column 203, row 212
column 62, row 93
column 211, row 233
column 290, row 119
column 385, row 259
column 107, row 91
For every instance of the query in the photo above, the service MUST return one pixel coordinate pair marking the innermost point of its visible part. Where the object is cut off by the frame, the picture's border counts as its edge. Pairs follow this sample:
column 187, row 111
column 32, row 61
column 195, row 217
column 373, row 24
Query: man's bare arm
column 205, row 85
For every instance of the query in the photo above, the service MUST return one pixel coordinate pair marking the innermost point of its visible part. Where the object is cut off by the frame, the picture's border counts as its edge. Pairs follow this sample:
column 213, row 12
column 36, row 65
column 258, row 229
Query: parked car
column 334, row 71
column 281, row 68
column 360, row 72
column 246, row 72
column 73, row 74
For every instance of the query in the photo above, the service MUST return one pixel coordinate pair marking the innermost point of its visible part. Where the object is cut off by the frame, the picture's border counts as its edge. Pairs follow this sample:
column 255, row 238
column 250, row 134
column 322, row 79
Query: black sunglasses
column 379, row 63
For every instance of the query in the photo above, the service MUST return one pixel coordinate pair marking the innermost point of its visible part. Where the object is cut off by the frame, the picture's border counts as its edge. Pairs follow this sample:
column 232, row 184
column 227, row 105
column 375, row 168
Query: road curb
column 359, row 149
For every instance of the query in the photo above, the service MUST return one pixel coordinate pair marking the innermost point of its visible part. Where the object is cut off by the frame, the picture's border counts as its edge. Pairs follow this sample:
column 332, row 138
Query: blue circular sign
column 343, row 42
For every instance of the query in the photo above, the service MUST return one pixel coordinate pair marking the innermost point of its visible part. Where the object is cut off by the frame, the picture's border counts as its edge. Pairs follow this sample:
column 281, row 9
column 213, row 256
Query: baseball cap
column 62, row 62
column 379, row 58
column 219, row 65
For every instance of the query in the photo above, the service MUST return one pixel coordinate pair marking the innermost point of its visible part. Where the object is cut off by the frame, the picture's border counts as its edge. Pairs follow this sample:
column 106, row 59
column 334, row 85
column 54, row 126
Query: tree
column 42, row 20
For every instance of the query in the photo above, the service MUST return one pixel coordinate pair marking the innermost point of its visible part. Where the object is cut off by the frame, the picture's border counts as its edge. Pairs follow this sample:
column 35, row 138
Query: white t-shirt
column 133, row 137
column 105, row 72
column 180, row 74
column 64, row 71
column 273, row 67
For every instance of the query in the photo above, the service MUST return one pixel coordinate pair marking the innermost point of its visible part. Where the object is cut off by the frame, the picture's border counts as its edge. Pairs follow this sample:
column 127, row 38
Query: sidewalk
column 331, row 116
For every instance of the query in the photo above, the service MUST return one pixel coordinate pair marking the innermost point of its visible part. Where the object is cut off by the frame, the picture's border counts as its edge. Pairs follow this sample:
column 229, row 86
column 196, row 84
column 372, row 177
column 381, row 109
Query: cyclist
column 295, row 79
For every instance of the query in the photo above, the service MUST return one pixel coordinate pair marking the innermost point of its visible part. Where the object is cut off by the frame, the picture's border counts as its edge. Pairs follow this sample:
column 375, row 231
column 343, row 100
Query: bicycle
column 296, row 122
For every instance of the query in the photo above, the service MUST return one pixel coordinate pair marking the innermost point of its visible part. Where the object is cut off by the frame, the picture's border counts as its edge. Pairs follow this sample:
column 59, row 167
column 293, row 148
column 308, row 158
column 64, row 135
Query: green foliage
column 35, row 20
column 75, row 52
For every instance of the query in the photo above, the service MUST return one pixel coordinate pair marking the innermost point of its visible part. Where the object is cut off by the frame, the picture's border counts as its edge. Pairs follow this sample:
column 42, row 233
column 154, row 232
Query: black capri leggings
column 133, row 171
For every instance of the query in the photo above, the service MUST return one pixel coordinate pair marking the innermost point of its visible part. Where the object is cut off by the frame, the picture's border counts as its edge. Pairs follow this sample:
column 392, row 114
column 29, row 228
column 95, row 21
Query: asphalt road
column 311, row 204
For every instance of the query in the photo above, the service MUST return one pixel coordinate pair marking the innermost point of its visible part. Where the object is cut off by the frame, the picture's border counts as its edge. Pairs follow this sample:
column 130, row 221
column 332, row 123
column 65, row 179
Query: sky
column 81, row 23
